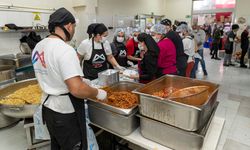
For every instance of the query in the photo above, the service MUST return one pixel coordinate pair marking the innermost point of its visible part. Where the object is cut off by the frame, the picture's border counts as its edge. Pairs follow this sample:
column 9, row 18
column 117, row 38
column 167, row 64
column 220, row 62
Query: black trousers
column 243, row 53
column 64, row 130
column 181, row 72
column 215, row 51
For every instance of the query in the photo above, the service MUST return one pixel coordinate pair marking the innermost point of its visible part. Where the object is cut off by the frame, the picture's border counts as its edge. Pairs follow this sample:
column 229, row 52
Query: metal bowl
column 6, row 121
column 25, row 111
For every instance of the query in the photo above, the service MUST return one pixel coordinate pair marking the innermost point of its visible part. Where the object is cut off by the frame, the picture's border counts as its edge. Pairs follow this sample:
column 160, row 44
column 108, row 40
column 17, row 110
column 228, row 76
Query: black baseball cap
column 60, row 17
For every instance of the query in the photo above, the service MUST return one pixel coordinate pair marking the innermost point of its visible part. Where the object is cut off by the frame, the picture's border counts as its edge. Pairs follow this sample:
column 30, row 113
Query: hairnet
column 60, row 18
column 183, row 28
column 136, row 30
column 119, row 30
column 159, row 29
column 166, row 22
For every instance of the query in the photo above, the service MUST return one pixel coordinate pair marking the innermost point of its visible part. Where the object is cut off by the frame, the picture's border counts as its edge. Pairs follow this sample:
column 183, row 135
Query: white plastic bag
column 92, row 143
column 41, row 130
column 91, row 138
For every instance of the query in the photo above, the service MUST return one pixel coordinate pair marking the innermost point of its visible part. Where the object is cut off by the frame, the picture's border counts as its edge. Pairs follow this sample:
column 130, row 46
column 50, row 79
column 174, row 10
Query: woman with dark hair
column 96, row 52
column 148, row 66
column 216, row 43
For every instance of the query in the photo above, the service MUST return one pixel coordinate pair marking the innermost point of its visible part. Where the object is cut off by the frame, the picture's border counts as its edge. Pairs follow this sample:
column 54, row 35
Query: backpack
column 28, row 43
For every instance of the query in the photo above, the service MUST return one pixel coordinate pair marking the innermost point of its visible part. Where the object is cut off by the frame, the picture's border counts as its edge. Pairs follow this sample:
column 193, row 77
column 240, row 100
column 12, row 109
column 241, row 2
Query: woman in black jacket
column 229, row 45
column 148, row 66
column 244, row 46
column 216, row 44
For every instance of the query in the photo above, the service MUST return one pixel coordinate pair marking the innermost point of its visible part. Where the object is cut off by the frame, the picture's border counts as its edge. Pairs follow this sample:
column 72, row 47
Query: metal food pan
column 120, row 124
column 108, row 77
column 187, row 117
column 7, row 72
column 173, row 137
column 7, row 62
column 120, row 86
column 25, row 111
column 20, row 60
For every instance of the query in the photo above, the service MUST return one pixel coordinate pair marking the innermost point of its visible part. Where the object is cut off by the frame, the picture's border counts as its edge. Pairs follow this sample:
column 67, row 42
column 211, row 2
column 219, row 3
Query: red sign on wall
column 224, row 4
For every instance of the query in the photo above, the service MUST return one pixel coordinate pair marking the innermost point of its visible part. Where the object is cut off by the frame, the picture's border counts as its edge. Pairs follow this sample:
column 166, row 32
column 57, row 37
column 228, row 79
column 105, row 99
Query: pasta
column 121, row 99
column 27, row 95
column 165, row 92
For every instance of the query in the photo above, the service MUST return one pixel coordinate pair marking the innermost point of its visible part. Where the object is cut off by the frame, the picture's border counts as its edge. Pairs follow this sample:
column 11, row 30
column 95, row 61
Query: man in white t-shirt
column 59, row 75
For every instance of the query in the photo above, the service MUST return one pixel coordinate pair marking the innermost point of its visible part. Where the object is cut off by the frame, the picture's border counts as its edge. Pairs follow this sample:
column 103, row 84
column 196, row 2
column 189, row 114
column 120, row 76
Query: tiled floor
column 234, row 97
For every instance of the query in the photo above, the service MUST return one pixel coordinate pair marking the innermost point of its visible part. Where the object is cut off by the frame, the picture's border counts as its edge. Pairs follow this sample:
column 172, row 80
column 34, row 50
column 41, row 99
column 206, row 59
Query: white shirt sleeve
column 231, row 39
column 186, row 45
column 69, row 65
column 203, row 36
column 85, row 49
column 107, row 48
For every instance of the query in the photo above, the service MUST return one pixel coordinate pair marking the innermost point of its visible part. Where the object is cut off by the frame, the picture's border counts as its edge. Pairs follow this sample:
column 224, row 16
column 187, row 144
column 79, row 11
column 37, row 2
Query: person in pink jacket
column 167, row 56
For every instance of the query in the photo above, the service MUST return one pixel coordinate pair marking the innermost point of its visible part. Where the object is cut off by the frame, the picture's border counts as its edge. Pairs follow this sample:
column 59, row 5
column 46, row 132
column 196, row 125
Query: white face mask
column 104, row 39
column 195, row 30
column 181, row 35
column 140, row 47
column 136, row 39
column 120, row 39
column 147, row 31
column 156, row 39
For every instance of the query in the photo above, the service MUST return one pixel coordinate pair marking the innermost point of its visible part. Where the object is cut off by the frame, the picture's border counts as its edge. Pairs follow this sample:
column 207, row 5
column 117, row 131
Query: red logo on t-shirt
column 36, row 56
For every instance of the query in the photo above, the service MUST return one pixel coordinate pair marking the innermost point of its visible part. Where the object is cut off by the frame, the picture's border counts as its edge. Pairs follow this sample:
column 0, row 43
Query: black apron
column 121, row 57
column 97, row 63
column 79, row 107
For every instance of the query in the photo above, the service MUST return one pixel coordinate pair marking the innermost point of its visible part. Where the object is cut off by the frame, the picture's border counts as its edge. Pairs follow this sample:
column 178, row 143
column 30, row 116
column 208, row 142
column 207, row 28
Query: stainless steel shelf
column 24, row 31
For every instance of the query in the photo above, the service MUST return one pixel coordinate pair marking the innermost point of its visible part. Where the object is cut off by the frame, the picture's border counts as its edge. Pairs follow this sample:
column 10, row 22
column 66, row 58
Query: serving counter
column 124, row 123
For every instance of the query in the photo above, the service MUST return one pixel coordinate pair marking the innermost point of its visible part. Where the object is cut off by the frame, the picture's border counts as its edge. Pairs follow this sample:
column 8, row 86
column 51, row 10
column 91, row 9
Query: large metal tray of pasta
column 188, row 112
column 20, row 99
column 120, row 98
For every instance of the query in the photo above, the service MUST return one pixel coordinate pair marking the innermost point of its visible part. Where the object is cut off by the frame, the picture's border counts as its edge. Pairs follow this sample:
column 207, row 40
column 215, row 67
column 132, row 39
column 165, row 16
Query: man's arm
column 80, row 89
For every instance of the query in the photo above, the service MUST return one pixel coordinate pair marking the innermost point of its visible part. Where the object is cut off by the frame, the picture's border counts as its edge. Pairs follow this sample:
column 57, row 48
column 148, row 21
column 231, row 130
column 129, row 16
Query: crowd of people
column 224, row 37
column 162, row 49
